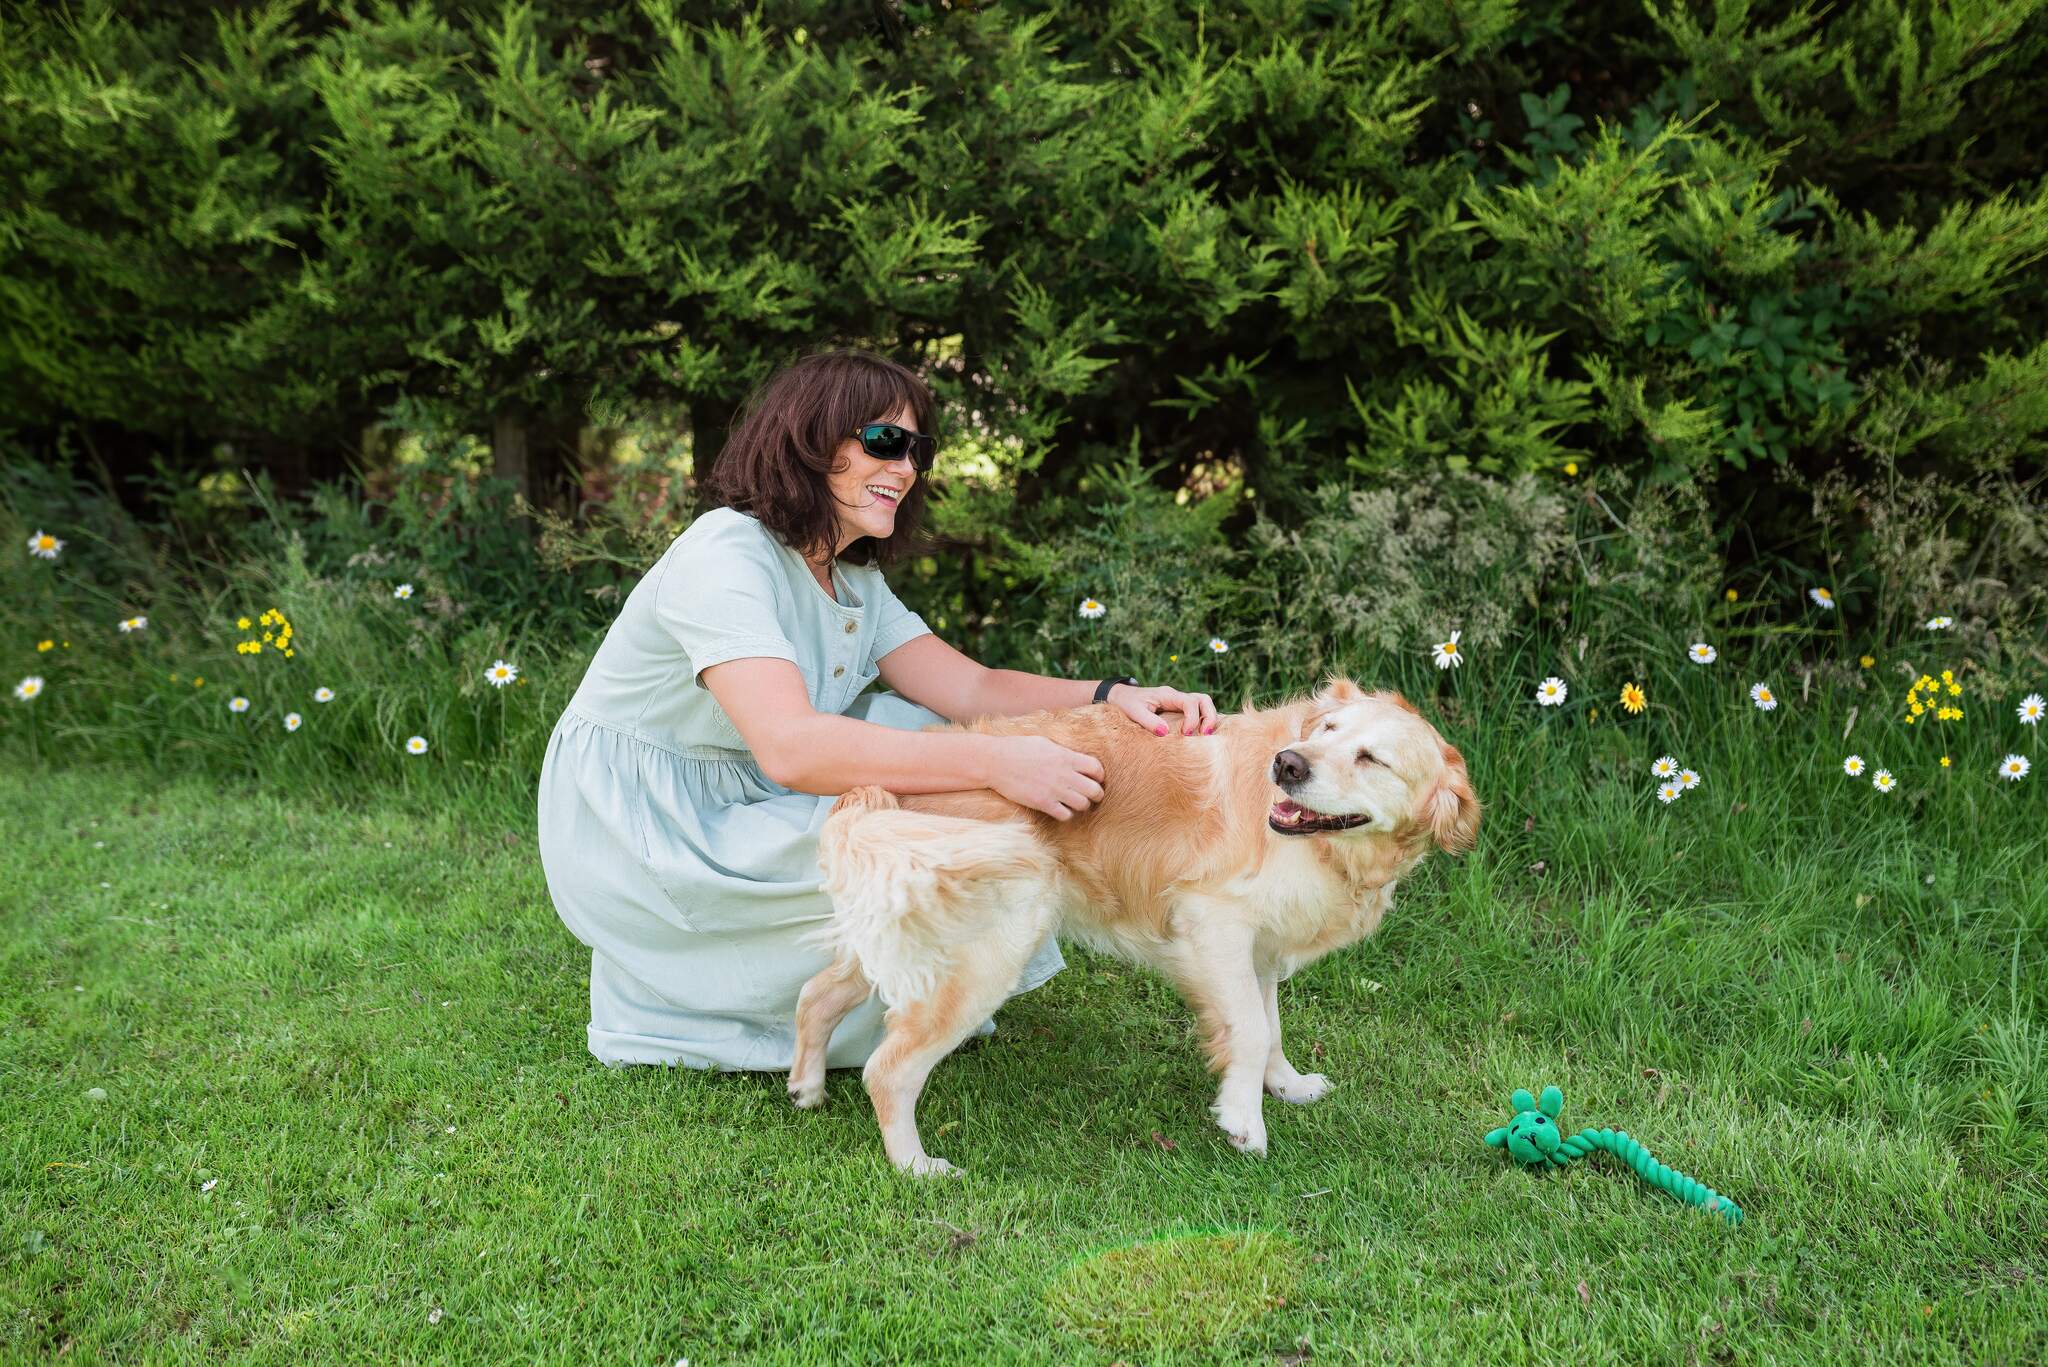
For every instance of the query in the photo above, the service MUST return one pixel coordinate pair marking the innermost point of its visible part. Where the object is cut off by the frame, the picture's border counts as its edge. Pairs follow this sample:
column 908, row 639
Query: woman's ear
column 1453, row 809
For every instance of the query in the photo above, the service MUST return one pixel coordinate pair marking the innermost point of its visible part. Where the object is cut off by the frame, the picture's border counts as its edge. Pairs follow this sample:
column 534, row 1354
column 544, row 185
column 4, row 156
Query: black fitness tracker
column 1102, row 689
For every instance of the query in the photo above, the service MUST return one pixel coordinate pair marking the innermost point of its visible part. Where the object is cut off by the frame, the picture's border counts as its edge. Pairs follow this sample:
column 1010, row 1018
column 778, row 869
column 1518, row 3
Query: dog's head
column 1367, row 763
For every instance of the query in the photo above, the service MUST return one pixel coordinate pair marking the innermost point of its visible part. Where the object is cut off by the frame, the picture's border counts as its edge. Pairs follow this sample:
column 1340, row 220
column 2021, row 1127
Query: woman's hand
column 1040, row 773
column 1143, row 706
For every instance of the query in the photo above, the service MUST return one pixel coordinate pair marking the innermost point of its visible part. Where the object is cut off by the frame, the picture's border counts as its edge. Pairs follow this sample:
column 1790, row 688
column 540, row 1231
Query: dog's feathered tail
column 911, row 889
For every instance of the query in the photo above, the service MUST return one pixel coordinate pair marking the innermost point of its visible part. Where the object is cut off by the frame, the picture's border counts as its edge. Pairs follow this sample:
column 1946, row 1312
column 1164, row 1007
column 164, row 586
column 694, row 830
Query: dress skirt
column 692, row 877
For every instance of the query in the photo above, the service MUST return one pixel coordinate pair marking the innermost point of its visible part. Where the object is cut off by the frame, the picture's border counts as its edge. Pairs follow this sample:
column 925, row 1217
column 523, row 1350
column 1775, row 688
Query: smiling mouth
column 1291, row 818
column 883, row 497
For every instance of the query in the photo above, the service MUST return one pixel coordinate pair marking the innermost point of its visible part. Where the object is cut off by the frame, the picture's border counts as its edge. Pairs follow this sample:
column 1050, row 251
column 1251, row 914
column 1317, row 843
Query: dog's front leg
column 1281, row 1078
column 1214, row 971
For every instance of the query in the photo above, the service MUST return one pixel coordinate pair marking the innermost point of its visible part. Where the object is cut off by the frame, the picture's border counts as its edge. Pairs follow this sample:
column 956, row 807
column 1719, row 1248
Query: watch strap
column 1102, row 689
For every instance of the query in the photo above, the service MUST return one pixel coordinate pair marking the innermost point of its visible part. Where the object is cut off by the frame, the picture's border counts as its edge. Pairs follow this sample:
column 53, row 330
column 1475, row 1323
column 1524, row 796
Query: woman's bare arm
column 815, row 752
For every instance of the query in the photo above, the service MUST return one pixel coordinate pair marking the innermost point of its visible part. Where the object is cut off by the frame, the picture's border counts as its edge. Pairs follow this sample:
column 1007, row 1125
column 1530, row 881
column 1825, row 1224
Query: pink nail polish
column 1160, row 732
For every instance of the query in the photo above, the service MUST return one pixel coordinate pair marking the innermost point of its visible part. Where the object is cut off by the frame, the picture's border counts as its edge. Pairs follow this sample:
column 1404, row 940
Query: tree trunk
column 509, row 457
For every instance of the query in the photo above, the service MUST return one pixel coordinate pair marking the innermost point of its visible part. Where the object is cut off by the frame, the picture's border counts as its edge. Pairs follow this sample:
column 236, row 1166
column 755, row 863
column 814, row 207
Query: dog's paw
column 1244, row 1127
column 1299, row 1088
column 807, row 1096
column 924, row 1165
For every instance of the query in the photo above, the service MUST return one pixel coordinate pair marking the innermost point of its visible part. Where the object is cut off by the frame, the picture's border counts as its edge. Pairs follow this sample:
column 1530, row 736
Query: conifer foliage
column 1310, row 236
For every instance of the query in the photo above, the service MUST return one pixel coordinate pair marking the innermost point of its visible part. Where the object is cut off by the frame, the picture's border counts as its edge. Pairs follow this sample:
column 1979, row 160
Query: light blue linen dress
column 689, row 873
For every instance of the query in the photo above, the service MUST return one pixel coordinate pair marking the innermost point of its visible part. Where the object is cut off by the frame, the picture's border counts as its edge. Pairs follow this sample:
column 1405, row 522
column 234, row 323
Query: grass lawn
column 294, row 1081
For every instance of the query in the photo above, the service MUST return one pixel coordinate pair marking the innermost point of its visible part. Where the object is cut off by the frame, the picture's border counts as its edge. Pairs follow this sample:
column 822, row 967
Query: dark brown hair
column 782, row 447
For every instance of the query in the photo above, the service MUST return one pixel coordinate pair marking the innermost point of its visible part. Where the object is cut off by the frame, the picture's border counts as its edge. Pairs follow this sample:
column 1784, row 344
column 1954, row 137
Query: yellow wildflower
column 1632, row 698
column 241, row 624
column 1866, row 662
column 1944, row 761
column 44, row 645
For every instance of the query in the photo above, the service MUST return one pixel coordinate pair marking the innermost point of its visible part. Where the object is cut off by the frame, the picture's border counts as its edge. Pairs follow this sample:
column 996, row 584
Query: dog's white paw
column 1299, row 1088
column 807, row 1095
column 1244, row 1127
column 924, row 1165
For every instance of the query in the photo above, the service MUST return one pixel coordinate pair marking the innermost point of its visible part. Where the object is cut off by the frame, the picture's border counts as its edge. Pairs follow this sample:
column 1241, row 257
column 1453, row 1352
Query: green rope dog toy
column 1532, row 1137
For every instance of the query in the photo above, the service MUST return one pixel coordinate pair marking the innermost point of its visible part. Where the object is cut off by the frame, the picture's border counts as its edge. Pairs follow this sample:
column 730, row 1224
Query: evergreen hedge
column 1293, row 241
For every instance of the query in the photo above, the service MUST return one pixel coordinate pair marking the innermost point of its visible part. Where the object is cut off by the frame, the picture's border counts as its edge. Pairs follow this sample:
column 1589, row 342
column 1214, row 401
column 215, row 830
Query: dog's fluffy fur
column 1197, row 861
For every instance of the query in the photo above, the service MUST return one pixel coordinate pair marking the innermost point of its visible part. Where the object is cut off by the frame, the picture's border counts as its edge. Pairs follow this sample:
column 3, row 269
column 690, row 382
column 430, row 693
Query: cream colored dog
column 1224, row 861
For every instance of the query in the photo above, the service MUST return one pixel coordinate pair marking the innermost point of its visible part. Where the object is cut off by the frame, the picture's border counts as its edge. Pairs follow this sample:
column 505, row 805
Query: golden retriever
column 1224, row 861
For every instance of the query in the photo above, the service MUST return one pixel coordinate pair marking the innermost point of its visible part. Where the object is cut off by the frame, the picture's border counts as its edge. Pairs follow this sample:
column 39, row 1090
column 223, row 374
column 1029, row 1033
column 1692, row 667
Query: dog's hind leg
column 1281, row 1078
column 822, row 1004
column 921, row 1032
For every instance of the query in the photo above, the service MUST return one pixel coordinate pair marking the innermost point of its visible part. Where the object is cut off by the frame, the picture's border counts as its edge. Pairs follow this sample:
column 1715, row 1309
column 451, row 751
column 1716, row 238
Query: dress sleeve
column 718, row 596
column 894, row 623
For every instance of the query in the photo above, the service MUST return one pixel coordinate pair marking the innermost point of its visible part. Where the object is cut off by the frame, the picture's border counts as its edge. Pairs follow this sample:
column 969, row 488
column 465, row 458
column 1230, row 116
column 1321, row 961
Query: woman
column 684, row 786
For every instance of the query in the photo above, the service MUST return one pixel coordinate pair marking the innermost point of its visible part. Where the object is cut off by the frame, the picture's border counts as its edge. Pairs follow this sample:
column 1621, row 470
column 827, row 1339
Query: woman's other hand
column 1144, row 706
column 1042, row 774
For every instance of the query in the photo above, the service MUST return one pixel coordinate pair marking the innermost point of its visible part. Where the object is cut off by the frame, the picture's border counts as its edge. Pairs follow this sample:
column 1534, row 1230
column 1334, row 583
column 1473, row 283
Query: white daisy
column 1940, row 623
column 1668, row 792
column 1446, row 653
column 1853, row 766
column 501, row 673
column 1822, row 598
column 1665, row 766
column 43, row 546
column 416, row 746
column 1218, row 644
column 1091, row 608
column 1884, row 782
column 1702, row 654
column 26, row 690
column 134, row 623
column 323, row 695
column 1762, row 697
column 238, row 704
column 402, row 591
column 1688, row 779
column 1551, row 691
column 2031, row 708
column 292, row 720
column 2013, row 767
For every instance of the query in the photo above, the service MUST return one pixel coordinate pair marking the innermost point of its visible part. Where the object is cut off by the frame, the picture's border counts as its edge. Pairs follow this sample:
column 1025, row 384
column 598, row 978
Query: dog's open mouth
column 1291, row 818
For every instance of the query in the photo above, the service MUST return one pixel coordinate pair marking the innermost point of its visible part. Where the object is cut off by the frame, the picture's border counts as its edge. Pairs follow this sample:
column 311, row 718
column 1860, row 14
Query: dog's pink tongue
column 1286, row 807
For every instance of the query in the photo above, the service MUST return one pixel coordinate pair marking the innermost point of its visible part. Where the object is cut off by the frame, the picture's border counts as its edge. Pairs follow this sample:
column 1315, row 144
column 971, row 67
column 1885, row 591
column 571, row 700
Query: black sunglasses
column 887, row 441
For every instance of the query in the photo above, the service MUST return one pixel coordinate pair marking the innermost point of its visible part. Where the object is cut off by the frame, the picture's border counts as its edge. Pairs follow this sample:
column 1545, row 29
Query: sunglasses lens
column 884, row 441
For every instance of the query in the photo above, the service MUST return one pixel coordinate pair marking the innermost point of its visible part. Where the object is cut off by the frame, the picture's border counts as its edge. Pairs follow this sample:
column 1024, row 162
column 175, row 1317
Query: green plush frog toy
column 1533, row 1137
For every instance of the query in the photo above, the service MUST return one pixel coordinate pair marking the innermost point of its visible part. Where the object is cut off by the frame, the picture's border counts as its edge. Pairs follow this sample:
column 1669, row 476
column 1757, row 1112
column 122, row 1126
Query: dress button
column 837, row 670
column 852, row 627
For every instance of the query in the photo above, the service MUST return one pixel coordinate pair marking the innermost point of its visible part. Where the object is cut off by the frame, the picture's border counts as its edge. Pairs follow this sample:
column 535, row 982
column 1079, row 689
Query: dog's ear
column 1335, row 692
column 1452, row 811
column 1393, row 699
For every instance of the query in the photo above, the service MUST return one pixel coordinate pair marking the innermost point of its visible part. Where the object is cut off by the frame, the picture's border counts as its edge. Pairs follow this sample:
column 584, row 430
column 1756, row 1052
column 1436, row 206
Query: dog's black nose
column 1289, row 769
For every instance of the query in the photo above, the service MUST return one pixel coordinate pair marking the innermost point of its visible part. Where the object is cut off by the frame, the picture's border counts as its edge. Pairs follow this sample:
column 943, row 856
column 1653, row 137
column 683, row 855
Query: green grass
column 364, row 1021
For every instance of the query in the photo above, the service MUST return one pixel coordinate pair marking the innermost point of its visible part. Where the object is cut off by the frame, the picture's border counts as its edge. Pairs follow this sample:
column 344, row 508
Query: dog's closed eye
column 1366, row 757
